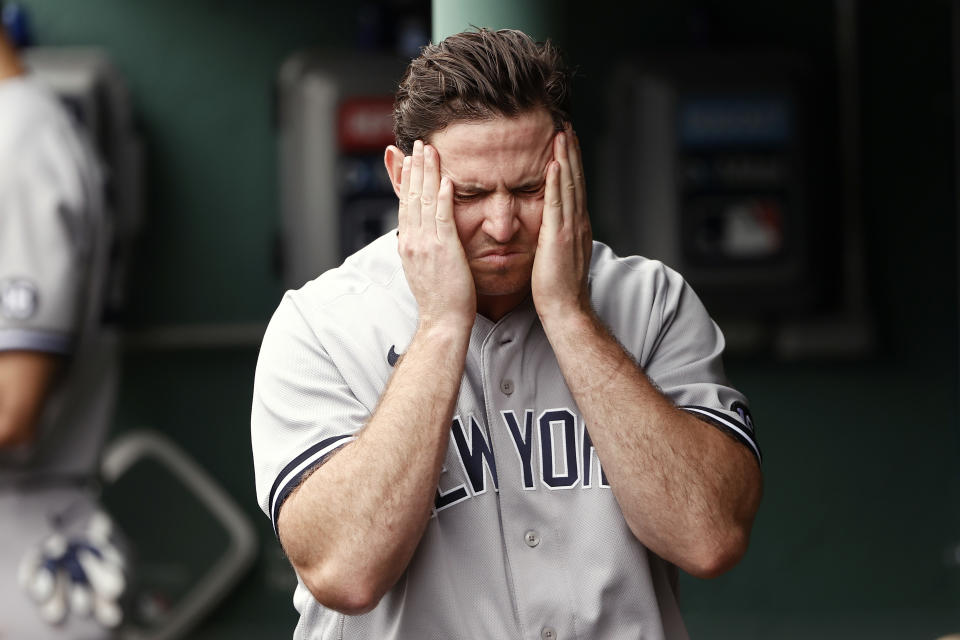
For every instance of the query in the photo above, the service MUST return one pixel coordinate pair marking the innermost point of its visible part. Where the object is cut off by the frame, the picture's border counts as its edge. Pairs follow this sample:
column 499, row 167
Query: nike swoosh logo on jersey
column 392, row 356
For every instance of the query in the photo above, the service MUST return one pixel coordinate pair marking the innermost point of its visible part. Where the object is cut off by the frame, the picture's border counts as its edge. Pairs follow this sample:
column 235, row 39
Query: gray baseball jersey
column 526, row 539
column 54, row 247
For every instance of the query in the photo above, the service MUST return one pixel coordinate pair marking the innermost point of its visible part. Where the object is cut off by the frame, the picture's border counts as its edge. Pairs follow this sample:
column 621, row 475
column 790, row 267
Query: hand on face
column 430, row 249
column 562, row 263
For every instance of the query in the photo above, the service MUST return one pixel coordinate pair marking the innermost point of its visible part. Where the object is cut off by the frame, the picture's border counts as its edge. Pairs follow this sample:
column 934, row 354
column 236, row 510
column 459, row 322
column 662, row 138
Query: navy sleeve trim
column 739, row 430
column 288, row 479
column 34, row 340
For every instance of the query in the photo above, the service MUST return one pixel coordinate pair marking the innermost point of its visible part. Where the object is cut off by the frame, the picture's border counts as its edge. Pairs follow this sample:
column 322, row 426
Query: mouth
column 499, row 258
column 503, row 251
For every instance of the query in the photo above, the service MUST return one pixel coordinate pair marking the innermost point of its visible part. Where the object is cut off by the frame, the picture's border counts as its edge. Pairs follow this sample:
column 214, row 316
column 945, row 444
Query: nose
column 500, row 220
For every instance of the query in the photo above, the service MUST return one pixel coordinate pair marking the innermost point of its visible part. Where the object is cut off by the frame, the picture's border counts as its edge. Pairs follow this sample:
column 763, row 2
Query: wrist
column 448, row 331
column 439, row 347
column 570, row 326
column 567, row 317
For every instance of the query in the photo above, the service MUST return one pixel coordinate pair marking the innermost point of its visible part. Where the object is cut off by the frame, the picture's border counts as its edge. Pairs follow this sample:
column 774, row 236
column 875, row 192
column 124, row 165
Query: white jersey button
column 507, row 386
column 532, row 538
column 548, row 633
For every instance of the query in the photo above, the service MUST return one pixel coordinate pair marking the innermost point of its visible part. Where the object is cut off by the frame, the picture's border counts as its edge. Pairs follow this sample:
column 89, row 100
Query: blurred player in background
column 60, row 576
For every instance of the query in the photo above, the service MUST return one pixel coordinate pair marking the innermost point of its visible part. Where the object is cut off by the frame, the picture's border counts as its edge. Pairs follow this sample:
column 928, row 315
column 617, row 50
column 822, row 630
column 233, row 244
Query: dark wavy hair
column 478, row 75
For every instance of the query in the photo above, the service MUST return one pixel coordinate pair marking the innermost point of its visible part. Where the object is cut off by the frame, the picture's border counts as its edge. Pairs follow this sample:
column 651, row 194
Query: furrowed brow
column 532, row 183
column 471, row 187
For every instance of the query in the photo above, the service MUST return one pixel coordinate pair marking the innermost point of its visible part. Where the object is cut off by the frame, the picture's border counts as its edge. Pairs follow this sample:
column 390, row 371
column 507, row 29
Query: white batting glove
column 81, row 574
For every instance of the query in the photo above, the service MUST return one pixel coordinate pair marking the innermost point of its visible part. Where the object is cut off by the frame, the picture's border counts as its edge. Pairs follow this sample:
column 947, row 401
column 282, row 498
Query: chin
column 503, row 282
column 503, row 289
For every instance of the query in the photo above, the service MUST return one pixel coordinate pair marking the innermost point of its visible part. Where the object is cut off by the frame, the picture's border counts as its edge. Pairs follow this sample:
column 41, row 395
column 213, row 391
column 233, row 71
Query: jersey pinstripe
column 526, row 534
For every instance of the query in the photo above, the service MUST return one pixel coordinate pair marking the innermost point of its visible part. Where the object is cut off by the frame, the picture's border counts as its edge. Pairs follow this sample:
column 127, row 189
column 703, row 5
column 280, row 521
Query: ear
column 393, row 161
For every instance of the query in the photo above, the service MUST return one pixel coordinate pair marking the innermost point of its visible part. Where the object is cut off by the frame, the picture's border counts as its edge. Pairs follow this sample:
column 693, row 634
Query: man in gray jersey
column 486, row 425
column 57, row 368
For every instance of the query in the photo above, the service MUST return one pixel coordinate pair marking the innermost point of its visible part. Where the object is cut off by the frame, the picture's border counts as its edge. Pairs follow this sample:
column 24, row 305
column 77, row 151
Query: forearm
column 25, row 380
column 351, row 528
column 688, row 491
column 17, row 426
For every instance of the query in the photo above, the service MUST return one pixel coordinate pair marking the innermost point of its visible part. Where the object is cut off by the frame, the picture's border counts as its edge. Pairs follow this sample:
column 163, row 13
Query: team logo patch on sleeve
column 19, row 299
column 745, row 417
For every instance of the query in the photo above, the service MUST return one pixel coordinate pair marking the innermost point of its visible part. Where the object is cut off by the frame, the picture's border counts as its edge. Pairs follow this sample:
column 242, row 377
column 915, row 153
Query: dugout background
column 861, row 507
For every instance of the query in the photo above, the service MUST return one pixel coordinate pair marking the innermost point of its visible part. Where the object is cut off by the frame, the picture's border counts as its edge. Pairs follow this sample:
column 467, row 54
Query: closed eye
column 465, row 197
column 531, row 191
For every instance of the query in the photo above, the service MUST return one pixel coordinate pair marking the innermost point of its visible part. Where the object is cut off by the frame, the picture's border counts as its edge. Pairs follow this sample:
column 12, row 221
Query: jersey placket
column 531, row 541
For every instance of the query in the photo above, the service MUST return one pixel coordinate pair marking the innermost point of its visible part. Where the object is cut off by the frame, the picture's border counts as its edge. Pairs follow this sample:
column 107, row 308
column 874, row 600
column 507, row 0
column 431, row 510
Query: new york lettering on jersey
column 552, row 448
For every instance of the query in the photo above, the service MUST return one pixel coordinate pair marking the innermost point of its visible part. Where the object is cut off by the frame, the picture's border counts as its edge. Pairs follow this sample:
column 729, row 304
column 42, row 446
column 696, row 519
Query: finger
column 552, row 202
column 111, row 555
column 42, row 585
column 403, row 220
column 576, row 167
column 55, row 546
column 100, row 527
column 35, row 578
column 106, row 612
column 416, row 186
column 431, row 183
column 80, row 600
column 54, row 610
column 28, row 567
column 445, row 226
column 108, row 581
column 568, row 194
